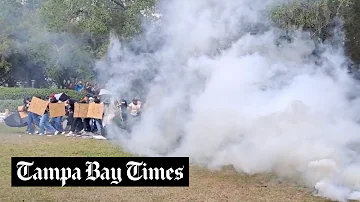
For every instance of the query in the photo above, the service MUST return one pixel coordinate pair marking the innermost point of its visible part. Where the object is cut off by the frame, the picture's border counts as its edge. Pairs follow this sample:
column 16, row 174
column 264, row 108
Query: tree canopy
column 52, row 40
column 320, row 17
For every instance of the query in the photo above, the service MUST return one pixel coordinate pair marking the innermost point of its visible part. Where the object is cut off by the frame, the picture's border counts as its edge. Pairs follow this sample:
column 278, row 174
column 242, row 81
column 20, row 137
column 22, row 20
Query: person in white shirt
column 134, row 107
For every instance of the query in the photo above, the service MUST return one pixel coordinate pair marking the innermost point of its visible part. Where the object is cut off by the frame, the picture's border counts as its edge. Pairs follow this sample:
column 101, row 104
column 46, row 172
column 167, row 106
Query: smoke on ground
column 223, row 93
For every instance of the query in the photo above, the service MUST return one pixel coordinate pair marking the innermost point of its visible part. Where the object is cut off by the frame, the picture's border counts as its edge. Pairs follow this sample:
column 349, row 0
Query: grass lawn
column 225, row 185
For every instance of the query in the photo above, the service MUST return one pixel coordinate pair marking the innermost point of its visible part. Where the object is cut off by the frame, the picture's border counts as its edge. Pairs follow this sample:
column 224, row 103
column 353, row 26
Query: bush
column 10, row 94
column 10, row 104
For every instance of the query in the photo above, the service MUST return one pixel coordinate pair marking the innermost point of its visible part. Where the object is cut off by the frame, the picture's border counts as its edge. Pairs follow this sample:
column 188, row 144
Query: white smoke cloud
column 208, row 101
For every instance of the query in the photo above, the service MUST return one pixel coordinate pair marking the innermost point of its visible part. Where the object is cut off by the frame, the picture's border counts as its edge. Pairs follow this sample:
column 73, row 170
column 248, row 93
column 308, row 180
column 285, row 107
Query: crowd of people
column 128, row 114
column 79, row 86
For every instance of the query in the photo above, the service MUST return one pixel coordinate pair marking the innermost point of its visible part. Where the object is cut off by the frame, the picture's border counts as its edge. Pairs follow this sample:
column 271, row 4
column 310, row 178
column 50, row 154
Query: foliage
column 10, row 104
column 96, row 18
column 55, row 40
column 52, row 40
column 20, row 93
column 319, row 18
column 352, row 31
column 314, row 16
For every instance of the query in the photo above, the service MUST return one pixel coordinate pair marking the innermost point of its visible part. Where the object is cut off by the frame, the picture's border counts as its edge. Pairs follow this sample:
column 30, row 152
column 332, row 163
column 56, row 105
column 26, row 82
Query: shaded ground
column 226, row 185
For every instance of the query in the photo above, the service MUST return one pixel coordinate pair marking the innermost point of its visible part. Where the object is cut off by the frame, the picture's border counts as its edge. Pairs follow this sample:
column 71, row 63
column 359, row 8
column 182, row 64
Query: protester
column 73, row 121
column 127, row 114
column 122, row 114
column 66, row 118
column 96, row 122
column 86, row 121
column 89, row 88
column 69, row 84
column 32, row 119
column 123, row 109
column 69, row 111
column 134, row 107
column 24, row 108
column 79, row 86
column 56, row 121
column 44, row 123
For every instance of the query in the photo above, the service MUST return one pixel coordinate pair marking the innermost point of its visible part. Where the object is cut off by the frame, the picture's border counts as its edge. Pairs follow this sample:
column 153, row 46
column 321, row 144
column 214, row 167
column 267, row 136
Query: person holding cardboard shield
column 98, row 122
column 56, row 121
column 86, row 121
column 70, row 108
column 76, row 123
column 33, row 119
column 24, row 108
column 44, row 123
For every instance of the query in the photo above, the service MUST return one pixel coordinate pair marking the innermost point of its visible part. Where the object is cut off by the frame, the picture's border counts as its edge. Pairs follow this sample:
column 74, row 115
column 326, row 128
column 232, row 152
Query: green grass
column 223, row 185
column 15, row 142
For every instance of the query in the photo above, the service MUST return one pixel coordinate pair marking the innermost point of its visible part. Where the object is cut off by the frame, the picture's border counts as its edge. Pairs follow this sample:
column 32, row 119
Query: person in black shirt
column 89, row 88
column 122, row 113
column 96, row 122
column 123, row 107
column 86, row 121
column 75, row 123
column 26, row 103
column 69, row 110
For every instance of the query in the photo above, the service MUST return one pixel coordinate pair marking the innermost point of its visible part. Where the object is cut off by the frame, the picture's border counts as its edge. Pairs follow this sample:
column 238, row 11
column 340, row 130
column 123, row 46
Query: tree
column 316, row 17
column 352, row 31
column 90, row 22
column 94, row 20
column 319, row 18
column 7, row 13
column 53, row 40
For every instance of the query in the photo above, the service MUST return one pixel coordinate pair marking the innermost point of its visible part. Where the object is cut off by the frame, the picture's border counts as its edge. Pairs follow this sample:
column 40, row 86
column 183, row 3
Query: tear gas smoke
column 207, row 101
column 35, row 53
